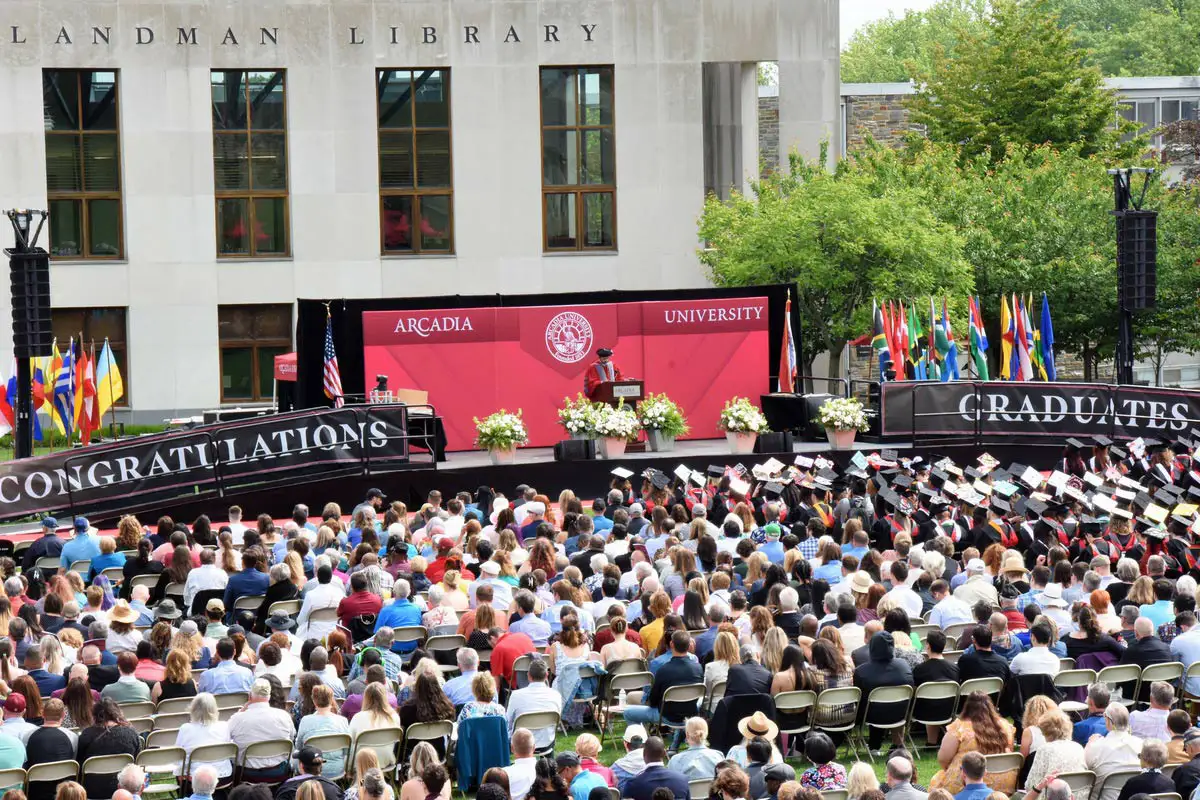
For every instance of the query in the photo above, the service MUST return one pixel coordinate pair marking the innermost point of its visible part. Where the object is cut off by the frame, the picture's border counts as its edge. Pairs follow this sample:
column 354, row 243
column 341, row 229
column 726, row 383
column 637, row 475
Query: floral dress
column 476, row 710
column 824, row 777
column 951, row 778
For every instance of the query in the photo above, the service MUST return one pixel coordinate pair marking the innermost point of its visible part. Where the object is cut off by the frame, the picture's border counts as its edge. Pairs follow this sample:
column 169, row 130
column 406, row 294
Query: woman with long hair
column 485, row 620
column 427, row 704
column 1031, row 734
column 189, row 641
column 1101, row 603
column 109, row 734
column 457, row 591
column 52, row 655
column 78, row 701
column 683, row 564
column 376, row 711
column 305, row 704
column 541, row 556
column 296, row 565
column 567, row 656
column 1089, row 638
column 1141, row 593
column 657, row 609
column 422, row 757
column 835, row 671
column 548, row 784
column 867, row 603
column 860, row 780
column 323, row 720
column 5, row 615
column 694, row 616
column 204, row 727
column 793, row 673
column 129, row 533
column 979, row 728
column 726, row 653
column 25, row 685
column 177, row 571
column 228, row 558
column 177, row 678
column 760, row 622
column 773, row 644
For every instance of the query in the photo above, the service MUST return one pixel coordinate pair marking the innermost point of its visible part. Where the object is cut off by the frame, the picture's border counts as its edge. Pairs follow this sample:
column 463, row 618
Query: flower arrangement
column 658, row 412
column 741, row 416
column 842, row 414
column 501, row 431
column 578, row 416
column 620, row 422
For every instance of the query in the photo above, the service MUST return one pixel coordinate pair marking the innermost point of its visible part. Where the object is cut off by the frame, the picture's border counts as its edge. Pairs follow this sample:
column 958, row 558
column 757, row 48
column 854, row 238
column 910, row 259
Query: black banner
column 1037, row 409
column 208, row 461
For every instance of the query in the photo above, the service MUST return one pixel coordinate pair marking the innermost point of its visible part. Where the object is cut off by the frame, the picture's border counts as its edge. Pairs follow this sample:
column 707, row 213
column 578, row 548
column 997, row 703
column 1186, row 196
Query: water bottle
column 621, row 698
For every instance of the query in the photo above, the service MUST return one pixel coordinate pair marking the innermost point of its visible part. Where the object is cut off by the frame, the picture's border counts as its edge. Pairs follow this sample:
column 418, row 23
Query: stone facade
column 883, row 117
column 768, row 134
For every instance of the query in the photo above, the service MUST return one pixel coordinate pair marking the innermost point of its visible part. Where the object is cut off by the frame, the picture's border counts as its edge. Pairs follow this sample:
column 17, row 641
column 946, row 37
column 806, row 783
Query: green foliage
column 1020, row 81
column 840, row 238
column 889, row 49
column 1174, row 325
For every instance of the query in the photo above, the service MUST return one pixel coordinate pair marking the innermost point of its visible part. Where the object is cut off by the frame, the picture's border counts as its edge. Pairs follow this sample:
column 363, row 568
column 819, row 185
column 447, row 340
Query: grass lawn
column 926, row 760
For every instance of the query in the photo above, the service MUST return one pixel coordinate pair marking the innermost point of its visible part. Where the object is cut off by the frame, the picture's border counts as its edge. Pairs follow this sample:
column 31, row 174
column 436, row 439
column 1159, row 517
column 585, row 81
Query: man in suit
column 656, row 774
column 599, row 371
column 47, row 682
column 749, row 677
column 1146, row 648
column 899, row 780
column 99, row 675
column 983, row 663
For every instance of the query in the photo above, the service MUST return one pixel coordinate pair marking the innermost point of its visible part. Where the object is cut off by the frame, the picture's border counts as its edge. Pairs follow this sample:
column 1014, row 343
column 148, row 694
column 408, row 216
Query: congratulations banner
column 1039, row 409
column 474, row 361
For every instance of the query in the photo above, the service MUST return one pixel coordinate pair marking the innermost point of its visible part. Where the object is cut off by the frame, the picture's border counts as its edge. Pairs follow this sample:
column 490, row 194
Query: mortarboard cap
column 715, row 471
column 1118, row 452
column 1102, row 441
column 1000, row 505
column 1036, row 506
column 1075, row 444
column 773, row 489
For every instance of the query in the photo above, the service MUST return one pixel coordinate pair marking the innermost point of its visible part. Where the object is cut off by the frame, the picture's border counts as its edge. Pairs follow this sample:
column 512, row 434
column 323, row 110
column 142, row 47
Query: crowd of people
column 891, row 572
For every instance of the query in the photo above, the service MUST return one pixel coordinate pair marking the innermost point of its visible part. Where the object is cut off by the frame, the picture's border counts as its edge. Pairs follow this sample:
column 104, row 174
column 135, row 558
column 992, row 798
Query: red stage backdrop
column 474, row 361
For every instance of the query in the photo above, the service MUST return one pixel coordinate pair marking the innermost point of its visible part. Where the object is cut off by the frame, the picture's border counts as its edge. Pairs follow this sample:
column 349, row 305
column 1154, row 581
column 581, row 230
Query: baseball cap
column 189, row 628
column 82, row 524
column 772, row 530
column 636, row 508
column 216, row 604
column 566, row 759
column 1191, row 735
column 376, row 493
column 15, row 703
column 975, row 565
column 309, row 756
column 636, row 733
column 490, row 567
column 50, row 522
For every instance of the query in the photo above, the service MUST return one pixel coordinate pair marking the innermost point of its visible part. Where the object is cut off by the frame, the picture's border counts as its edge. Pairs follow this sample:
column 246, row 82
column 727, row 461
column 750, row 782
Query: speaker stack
column 29, row 273
column 1137, row 258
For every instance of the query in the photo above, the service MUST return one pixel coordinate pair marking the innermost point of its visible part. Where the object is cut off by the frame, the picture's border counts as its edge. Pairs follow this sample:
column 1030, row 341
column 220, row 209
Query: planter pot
column 610, row 447
column 741, row 441
column 659, row 442
column 508, row 456
column 841, row 440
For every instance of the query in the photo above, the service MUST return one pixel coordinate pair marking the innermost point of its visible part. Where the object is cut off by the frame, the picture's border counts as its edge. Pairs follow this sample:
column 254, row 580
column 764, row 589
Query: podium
column 613, row 392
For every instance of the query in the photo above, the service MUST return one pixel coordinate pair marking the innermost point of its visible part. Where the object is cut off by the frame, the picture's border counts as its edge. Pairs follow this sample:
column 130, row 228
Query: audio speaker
column 575, row 450
column 774, row 442
column 1137, row 258
column 29, row 275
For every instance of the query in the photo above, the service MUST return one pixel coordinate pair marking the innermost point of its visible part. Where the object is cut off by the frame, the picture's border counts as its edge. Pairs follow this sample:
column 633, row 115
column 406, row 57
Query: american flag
column 333, row 376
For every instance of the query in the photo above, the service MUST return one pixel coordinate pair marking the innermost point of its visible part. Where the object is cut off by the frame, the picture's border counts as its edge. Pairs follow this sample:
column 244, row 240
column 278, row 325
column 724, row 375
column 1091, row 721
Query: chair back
column 1071, row 678
column 954, row 632
column 829, row 699
column 250, row 602
column 149, row 581
column 451, row 643
column 323, row 615
column 208, row 753
column 162, row 738
column 114, row 574
column 174, row 590
column 535, row 721
column 51, row 564
column 1118, row 674
column 1000, row 763
column 383, row 741
column 988, row 686
column 14, row 779
column 289, row 607
column 697, row 789
column 142, row 708
column 684, row 693
column 142, row 725
column 163, row 759
column 1165, row 796
column 1081, row 782
column 1169, row 672
column 790, row 708
column 952, row 656
column 105, row 765
column 200, row 601
column 1066, row 663
column 280, row 749
column 923, row 630
column 630, row 682
column 521, row 671
column 625, row 665
column 329, row 742
column 165, row 721
column 53, row 771
column 1114, row 782
column 615, row 794
column 231, row 699
column 717, row 694
column 174, row 705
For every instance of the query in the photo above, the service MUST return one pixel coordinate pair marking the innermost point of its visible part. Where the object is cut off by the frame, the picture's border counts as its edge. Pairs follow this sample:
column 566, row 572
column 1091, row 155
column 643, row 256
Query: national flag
column 86, row 420
column 947, row 347
column 333, row 376
column 879, row 340
column 934, row 353
column 109, row 386
column 57, row 393
column 886, row 313
column 1048, row 340
column 1024, row 368
column 1035, row 352
column 9, row 404
column 8, row 416
column 978, row 343
column 1007, row 333
column 902, row 354
column 64, row 393
column 787, row 354
column 914, row 335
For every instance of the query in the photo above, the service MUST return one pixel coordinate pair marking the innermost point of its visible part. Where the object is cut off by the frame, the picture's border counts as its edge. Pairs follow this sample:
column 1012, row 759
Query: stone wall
column 882, row 116
column 768, row 134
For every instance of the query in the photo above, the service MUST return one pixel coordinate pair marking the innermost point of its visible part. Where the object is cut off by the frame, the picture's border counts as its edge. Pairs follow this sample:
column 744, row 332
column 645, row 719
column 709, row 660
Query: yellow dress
column 951, row 778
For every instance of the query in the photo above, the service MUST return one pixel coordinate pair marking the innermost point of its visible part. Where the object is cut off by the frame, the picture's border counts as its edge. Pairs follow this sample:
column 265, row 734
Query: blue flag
column 1047, row 339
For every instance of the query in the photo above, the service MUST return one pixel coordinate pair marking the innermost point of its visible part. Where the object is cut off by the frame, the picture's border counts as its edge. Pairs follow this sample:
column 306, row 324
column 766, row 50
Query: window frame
column 577, row 191
column 417, row 191
column 120, row 348
column 251, row 194
column 83, row 196
column 253, row 345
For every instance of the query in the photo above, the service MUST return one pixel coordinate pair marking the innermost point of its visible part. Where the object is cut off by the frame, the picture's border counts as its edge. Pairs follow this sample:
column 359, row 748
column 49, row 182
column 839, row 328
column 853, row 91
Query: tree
column 888, row 49
column 1135, row 37
column 1173, row 326
column 1021, row 80
column 841, row 240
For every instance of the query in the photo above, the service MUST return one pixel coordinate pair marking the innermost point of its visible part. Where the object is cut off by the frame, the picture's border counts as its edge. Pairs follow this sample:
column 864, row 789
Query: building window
column 250, row 162
column 415, row 180
column 83, row 163
column 1179, row 110
column 250, row 338
column 1141, row 112
column 91, row 326
column 579, row 164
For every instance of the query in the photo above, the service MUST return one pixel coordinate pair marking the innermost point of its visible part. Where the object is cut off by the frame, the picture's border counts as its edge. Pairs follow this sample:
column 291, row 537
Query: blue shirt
column 104, row 561
column 601, row 524
column 247, row 583
column 1087, row 726
column 583, row 783
column 226, row 677
column 1186, row 647
column 1159, row 613
column 828, row 572
column 402, row 613
column 848, row 549
column 974, row 791
column 533, row 626
column 773, row 550
column 553, row 616
column 83, row 547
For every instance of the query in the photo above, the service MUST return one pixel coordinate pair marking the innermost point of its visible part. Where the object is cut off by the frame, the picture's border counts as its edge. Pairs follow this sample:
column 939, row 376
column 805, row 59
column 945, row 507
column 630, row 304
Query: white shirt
column 854, row 636
column 950, row 611
column 323, row 595
column 207, row 576
column 600, row 607
column 521, row 775
column 238, row 531
column 616, row 547
column 977, row 587
column 909, row 600
column 192, row 735
column 501, row 592
column 1150, row 724
column 535, row 697
column 119, row 642
column 1116, row 750
column 258, row 723
column 1036, row 661
column 288, row 666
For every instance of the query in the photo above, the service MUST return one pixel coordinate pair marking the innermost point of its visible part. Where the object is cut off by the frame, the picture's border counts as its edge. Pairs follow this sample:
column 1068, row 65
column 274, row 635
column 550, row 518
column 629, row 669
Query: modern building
column 207, row 163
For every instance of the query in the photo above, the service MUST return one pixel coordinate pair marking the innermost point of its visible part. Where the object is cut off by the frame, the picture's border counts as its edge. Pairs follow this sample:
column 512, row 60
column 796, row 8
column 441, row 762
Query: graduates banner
column 1038, row 409
column 263, row 452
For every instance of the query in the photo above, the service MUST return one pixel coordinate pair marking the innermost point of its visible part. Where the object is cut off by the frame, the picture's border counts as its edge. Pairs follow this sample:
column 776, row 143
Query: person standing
column 600, row 371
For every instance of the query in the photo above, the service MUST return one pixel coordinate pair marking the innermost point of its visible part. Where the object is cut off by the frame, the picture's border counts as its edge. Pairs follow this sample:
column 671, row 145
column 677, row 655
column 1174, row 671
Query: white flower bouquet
column 842, row 414
column 658, row 412
column 741, row 416
column 501, row 431
column 617, row 423
column 578, row 416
